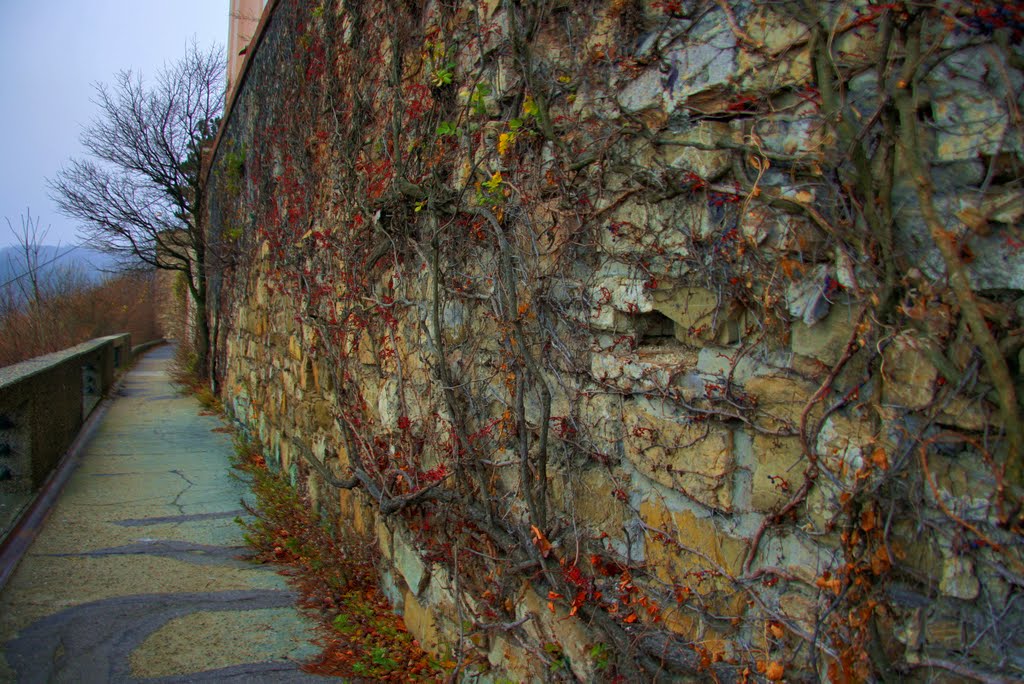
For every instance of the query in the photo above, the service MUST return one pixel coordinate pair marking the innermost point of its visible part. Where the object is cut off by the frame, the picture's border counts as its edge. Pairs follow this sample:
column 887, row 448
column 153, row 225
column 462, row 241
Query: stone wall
column 645, row 338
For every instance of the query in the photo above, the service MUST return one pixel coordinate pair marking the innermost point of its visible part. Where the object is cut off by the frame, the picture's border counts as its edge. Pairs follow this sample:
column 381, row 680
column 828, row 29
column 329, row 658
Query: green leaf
column 446, row 128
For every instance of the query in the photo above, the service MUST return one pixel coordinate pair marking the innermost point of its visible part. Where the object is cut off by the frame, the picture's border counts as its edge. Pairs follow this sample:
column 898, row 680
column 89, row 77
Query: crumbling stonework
column 645, row 338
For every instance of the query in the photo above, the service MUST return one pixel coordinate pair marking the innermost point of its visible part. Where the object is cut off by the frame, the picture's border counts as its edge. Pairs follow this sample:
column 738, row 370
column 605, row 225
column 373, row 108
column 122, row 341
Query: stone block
column 800, row 608
column 779, row 34
column 909, row 379
column 454, row 322
column 603, row 415
column 323, row 414
column 699, row 315
column 323, row 379
column 558, row 626
column 969, row 413
column 823, row 505
column 516, row 663
column 694, row 552
column 389, row 404
column 825, row 339
column 945, row 633
column 559, row 399
column 773, row 228
column 306, row 375
column 289, row 385
column 642, row 370
column 969, row 124
column 294, row 348
column 704, row 67
column 617, row 288
column 419, row 620
column 780, row 399
column 409, row 564
column 958, row 579
column 643, row 93
column 694, row 459
column 285, row 455
column 842, row 442
column 777, row 470
column 684, row 150
column 593, row 501
column 965, row 486
column 364, row 348
column 799, row 131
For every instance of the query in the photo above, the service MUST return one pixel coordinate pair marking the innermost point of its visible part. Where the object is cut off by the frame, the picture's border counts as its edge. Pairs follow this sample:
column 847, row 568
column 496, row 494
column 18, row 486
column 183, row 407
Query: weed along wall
column 645, row 338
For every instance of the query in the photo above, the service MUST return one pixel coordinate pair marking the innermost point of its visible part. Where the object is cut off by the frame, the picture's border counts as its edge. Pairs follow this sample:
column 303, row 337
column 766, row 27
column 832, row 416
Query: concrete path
column 135, row 575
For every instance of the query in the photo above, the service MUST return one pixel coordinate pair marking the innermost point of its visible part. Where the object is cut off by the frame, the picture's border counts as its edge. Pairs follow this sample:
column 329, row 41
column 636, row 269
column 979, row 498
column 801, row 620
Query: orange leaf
column 631, row 618
column 774, row 671
column 552, row 595
column 880, row 561
column 834, row 584
column 541, row 541
column 880, row 459
column 867, row 519
column 791, row 266
column 551, row 606
column 776, row 629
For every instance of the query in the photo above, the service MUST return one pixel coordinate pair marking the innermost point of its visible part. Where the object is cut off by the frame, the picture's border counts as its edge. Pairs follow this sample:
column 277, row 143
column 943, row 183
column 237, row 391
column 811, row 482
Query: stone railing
column 45, row 401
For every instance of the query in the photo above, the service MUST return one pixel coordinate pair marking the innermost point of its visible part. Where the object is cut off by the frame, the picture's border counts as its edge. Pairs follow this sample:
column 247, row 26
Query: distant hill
column 89, row 265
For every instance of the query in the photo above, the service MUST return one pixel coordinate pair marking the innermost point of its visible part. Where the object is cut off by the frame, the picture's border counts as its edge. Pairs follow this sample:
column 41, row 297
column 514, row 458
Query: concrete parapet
column 44, row 402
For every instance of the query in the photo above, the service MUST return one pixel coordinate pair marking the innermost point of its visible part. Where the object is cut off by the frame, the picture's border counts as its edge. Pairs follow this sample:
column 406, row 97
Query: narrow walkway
column 135, row 575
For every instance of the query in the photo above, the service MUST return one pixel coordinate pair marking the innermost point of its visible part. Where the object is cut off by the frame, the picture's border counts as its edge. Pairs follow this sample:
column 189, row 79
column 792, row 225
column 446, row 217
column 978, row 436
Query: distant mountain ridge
column 93, row 265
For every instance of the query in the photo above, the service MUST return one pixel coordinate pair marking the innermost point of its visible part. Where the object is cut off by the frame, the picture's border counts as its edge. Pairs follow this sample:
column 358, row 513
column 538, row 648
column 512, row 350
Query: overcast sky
column 50, row 55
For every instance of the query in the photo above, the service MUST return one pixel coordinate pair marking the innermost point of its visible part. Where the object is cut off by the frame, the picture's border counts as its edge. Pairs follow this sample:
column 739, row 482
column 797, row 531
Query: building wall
column 243, row 19
column 647, row 332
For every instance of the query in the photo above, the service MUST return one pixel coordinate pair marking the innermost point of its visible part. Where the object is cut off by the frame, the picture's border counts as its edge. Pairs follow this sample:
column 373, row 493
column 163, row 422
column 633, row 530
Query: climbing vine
column 680, row 315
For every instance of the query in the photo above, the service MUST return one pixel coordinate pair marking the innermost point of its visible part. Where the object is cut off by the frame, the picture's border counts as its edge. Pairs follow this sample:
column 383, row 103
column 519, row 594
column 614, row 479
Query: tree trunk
column 202, row 332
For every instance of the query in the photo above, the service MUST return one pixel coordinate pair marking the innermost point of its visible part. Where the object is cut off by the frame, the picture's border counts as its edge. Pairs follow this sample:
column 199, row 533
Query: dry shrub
column 120, row 304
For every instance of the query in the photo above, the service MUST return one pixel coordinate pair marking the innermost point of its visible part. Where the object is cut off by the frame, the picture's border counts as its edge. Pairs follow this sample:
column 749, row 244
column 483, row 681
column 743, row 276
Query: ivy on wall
column 695, row 325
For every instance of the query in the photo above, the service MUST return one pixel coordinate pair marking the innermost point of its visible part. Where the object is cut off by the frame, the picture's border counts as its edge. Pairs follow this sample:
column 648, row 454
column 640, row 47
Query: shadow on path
column 137, row 575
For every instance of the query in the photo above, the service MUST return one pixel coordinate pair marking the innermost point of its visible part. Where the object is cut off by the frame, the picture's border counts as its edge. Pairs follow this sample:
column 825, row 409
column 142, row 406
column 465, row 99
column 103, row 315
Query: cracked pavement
column 136, row 575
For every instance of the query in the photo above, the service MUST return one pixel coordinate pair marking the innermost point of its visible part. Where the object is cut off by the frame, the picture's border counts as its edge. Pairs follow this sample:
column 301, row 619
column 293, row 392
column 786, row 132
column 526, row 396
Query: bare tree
column 138, row 195
column 26, row 262
column 40, row 280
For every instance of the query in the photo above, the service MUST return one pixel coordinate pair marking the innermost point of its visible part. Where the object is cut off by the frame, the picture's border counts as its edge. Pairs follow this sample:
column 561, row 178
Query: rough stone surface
column 612, row 293
column 693, row 459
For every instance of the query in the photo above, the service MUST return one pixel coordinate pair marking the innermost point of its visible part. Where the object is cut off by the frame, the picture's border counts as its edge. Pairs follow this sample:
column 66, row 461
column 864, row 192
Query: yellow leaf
column 494, row 182
column 758, row 163
column 505, row 141
column 530, row 107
